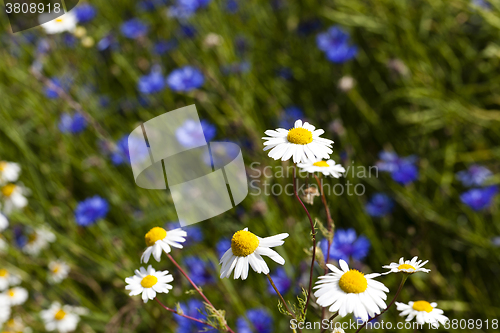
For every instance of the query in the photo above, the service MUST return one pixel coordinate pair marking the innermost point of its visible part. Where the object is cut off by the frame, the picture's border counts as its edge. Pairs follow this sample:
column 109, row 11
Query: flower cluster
column 481, row 196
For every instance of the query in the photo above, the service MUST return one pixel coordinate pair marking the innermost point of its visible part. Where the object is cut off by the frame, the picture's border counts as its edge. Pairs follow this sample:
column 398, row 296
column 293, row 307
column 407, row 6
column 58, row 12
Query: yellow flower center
column 406, row 266
column 8, row 189
column 321, row 164
column 60, row 315
column 3, row 272
column 154, row 235
column 422, row 306
column 32, row 238
column 299, row 136
column 3, row 165
column 11, row 292
column 353, row 282
column 56, row 269
column 149, row 281
column 59, row 20
column 244, row 243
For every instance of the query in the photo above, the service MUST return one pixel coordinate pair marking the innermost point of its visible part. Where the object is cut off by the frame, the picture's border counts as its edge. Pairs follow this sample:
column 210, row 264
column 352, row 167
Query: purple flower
column 164, row 46
column 335, row 43
column 479, row 198
column 194, row 233
column 90, row 210
column 193, row 308
column 85, row 12
column 72, row 123
column 151, row 83
column 185, row 79
column 51, row 91
column 281, row 281
column 259, row 321
column 402, row 170
column 199, row 270
column 232, row 6
column 186, row 8
column 290, row 115
column 347, row 245
column 187, row 30
column 190, row 136
column 379, row 205
column 475, row 175
column 134, row 28
column 107, row 42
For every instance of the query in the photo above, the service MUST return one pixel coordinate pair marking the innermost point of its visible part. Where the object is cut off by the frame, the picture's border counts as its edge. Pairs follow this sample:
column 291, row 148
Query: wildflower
column 199, row 270
column 134, row 28
column 185, row 79
column 186, row 8
column 408, row 266
column 222, row 245
column 212, row 40
column 281, row 281
column 85, row 12
column 347, row 245
column 8, row 279
column 350, row 291
column 335, row 43
column 4, row 222
column 9, row 172
column 13, row 197
column 122, row 151
column 65, row 22
column 88, row 41
column 193, row 308
column 346, row 83
column 423, row 312
column 191, row 134
column 379, row 205
column 479, row 198
column 222, row 154
column 475, row 175
column 148, row 282
column 259, row 321
column 290, row 114
column 72, row 123
column 38, row 240
column 60, row 318
column 232, row 6
column 15, row 325
column 58, row 271
column 187, row 31
column 327, row 168
column 159, row 240
column 402, row 170
column 90, row 210
column 151, row 83
column 4, row 308
column 53, row 88
column 247, row 248
column 16, row 296
column 301, row 142
column 163, row 46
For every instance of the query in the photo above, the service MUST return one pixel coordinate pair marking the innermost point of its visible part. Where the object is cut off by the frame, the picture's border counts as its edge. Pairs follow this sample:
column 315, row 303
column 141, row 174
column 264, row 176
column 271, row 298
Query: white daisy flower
column 60, row 318
column 408, row 266
column 302, row 142
column 159, row 240
column 9, row 172
column 66, row 22
column 8, row 279
column 4, row 223
column 4, row 309
column 149, row 282
column 16, row 295
column 350, row 291
column 327, row 168
column 13, row 198
column 38, row 240
column 59, row 270
column 247, row 248
column 423, row 312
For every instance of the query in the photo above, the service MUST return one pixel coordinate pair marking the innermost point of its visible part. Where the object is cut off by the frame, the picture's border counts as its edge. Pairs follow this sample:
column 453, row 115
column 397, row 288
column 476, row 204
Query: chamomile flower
column 9, row 172
column 16, row 325
column 4, row 223
column 13, row 197
column 8, row 279
column 16, row 295
column 148, row 282
column 60, row 318
column 327, row 168
column 66, row 22
column 302, row 142
column 247, row 249
column 38, row 240
column 59, row 270
column 350, row 291
column 423, row 312
column 4, row 309
column 159, row 240
column 408, row 266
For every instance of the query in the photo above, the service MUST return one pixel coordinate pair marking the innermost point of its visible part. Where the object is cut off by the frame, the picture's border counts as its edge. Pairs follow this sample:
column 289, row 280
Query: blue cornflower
column 475, row 175
column 72, row 123
column 187, row 30
column 50, row 92
column 193, row 308
column 289, row 116
column 190, row 134
column 121, row 153
column 151, row 83
column 281, row 281
column 186, row 8
column 185, row 79
column 199, row 270
column 134, row 28
column 335, row 43
column 163, row 46
column 69, row 39
column 232, row 6
column 402, row 170
column 479, row 198
column 107, row 42
column 259, row 321
column 347, row 245
column 222, row 246
column 379, row 205
column 85, row 12
column 90, row 210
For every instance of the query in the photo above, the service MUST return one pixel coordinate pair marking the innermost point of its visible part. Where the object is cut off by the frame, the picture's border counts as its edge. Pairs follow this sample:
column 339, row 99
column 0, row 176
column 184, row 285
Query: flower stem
column 183, row 315
column 313, row 239
column 195, row 287
column 330, row 320
column 405, row 276
column 282, row 299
